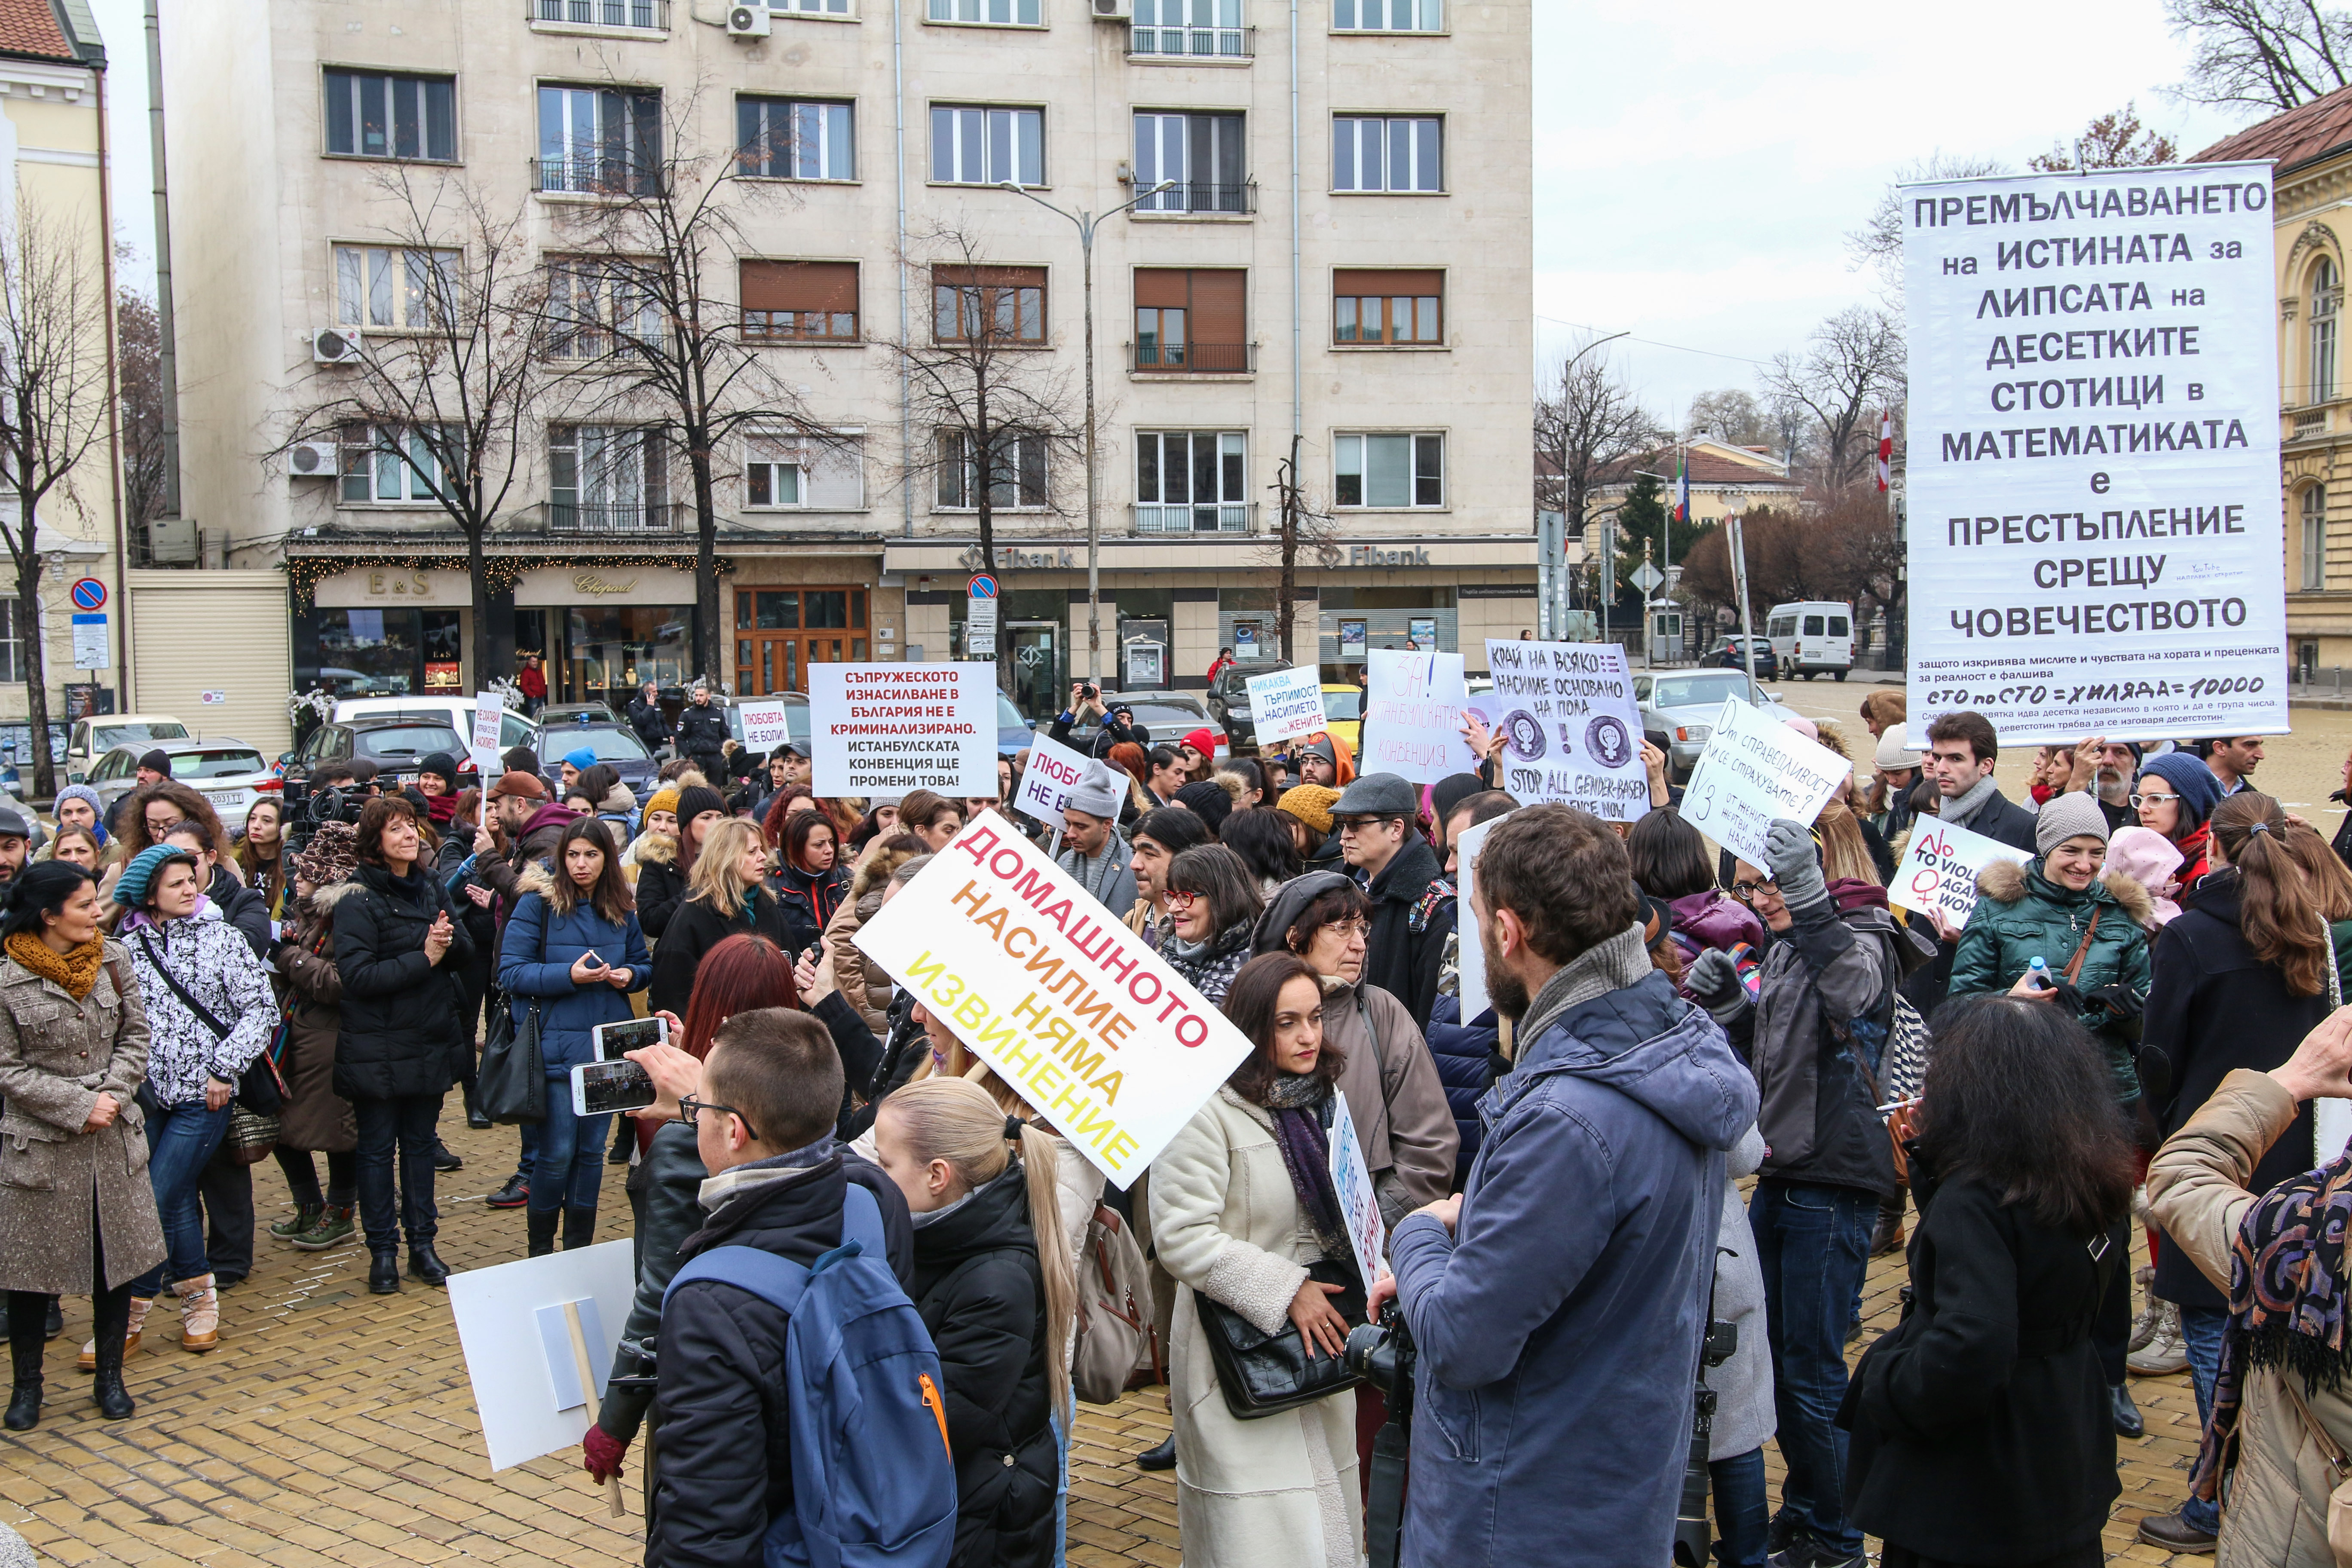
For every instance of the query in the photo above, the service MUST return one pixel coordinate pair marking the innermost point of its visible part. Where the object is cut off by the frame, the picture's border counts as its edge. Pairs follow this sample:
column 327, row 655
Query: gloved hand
column 1713, row 979
column 601, row 1453
column 1796, row 865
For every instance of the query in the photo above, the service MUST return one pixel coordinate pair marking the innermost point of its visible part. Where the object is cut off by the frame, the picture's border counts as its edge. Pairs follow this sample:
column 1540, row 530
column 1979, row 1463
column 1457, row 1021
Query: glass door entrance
column 1040, row 668
column 780, row 632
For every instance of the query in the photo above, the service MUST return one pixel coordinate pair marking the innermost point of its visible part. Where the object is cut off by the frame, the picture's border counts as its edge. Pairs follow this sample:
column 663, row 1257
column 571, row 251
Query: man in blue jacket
column 1560, row 1300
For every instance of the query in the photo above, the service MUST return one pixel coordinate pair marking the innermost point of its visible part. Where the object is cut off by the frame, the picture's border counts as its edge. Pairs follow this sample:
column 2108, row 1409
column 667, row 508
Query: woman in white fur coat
column 1240, row 1203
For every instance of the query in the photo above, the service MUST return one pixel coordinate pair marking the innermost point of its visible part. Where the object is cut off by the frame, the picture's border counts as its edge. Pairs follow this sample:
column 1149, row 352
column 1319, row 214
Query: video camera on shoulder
column 308, row 806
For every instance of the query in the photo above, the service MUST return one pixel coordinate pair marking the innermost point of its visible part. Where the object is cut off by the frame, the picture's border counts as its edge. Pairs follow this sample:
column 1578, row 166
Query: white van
column 1812, row 638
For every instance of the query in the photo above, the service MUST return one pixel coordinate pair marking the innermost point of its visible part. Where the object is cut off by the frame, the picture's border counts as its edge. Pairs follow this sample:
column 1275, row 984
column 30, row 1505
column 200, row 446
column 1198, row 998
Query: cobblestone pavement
column 333, row 1426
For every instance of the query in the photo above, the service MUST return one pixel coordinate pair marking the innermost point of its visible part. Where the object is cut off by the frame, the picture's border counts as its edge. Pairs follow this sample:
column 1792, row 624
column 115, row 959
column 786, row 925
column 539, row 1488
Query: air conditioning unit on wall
column 748, row 21
column 310, row 460
column 1113, row 10
column 335, row 346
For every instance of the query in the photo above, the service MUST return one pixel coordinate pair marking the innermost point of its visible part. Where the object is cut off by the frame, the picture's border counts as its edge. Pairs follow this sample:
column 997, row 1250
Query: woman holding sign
column 1242, row 1205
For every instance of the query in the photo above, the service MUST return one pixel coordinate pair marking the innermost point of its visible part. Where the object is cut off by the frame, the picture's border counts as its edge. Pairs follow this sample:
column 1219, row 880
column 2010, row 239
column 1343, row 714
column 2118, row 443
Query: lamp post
column 1087, row 224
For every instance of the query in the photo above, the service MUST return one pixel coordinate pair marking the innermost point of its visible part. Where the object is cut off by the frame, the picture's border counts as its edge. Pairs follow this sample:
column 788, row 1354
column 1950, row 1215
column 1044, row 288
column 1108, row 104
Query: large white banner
column 887, row 728
column 1940, row 868
column 1572, row 729
column 2096, row 537
column 1286, row 704
column 1755, row 769
column 1413, row 716
column 1053, row 773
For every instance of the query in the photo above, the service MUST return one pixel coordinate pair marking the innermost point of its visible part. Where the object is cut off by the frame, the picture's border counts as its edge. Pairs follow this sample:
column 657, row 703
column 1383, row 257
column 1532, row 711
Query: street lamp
column 1086, row 223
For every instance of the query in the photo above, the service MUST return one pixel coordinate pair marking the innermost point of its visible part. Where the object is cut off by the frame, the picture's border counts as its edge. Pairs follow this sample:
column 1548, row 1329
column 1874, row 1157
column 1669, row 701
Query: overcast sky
column 1696, row 166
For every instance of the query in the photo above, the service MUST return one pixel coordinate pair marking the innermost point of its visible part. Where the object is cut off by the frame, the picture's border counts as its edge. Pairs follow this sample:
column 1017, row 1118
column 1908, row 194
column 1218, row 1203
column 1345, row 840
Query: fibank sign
column 1009, row 559
column 1371, row 556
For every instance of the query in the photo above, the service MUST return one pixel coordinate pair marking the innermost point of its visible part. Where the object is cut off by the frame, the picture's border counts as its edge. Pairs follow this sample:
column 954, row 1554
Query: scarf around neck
column 1961, row 808
column 74, row 969
column 1296, row 1101
column 2288, row 1308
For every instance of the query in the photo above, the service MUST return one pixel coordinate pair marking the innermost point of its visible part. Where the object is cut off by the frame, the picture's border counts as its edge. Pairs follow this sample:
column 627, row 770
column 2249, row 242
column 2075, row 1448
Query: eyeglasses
column 2139, row 800
column 1746, row 891
column 690, row 1109
column 1180, row 900
column 1350, row 930
column 1361, row 824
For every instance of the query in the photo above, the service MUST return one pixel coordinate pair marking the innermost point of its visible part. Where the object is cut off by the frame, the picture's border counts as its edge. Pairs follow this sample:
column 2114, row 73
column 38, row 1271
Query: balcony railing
column 579, row 345
column 649, row 15
column 1196, row 359
column 1206, row 43
column 614, row 517
column 597, row 174
column 1200, row 517
column 1202, row 196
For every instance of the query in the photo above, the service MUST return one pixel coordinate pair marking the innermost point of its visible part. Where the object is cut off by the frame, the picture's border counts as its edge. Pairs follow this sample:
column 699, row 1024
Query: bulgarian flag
column 1886, row 447
column 1682, row 487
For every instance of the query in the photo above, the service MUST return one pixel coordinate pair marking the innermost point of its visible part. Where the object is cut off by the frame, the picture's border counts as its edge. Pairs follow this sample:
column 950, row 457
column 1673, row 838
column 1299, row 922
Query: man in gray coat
column 1092, row 850
column 1560, row 1299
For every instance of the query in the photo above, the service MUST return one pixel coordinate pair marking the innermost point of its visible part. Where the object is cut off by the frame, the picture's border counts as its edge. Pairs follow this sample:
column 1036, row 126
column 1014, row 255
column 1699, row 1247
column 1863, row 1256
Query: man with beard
column 2104, row 769
column 1568, row 1282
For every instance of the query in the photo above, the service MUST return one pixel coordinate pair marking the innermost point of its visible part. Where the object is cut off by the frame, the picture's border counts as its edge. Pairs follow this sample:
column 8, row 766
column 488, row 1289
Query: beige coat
column 2275, row 1514
column 859, row 986
column 1279, row 1492
column 1394, row 1097
column 56, row 1057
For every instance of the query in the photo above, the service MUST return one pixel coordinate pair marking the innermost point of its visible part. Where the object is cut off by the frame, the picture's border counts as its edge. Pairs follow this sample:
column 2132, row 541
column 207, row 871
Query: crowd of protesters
column 1640, row 1176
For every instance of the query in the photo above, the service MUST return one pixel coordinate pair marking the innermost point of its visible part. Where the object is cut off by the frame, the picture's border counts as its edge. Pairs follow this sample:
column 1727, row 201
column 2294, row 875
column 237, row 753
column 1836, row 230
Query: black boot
column 2129, row 1423
column 55, row 1324
column 383, row 1271
column 541, row 1225
column 444, row 1161
column 1887, row 1235
column 426, row 1264
column 474, row 1117
column 25, row 1397
column 1160, row 1455
column 579, row 1229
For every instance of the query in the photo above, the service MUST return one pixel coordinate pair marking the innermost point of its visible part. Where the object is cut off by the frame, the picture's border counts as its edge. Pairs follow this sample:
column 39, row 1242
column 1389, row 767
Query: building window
column 1191, row 320
column 382, row 464
column 809, row 7
column 790, row 471
column 988, row 304
column 771, row 483
column 987, row 146
column 606, row 478
column 992, row 13
column 594, row 306
column 388, row 286
column 1016, row 473
column 1387, row 307
column 2327, row 301
column 1192, row 481
column 645, row 14
column 1388, row 154
column 12, row 640
column 598, row 141
column 1201, row 153
column 1200, row 27
column 371, row 114
column 1389, row 471
column 1388, row 15
column 793, row 139
column 2315, row 539
column 799, row 302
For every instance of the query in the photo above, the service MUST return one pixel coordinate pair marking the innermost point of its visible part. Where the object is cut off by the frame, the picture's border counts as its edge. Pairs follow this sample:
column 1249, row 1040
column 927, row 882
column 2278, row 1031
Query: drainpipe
column 906, row 390
column 113, row 400
column 1297, row 389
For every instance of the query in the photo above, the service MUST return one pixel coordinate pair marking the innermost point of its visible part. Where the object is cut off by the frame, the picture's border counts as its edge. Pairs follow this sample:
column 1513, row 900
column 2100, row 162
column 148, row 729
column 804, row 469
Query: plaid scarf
column 2287, row 1307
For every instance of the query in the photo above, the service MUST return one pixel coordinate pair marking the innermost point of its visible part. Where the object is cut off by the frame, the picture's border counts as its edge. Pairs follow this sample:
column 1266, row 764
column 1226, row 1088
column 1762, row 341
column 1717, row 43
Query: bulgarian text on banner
column 1286, row 704
column 1111, row 1045
column 1571, row 726
column 2092, row 457
column 887, row 728
column 1413, row 716
column 1053, row 773
column 1756, row 768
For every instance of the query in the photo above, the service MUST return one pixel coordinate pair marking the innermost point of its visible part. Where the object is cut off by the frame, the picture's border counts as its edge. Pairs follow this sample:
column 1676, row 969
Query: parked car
column 1813, row 637
column 440, row 707
column 1729, row 654
column 395, row 743
column 556, row 715
column 1679, row 711
column 1343, row 714
column 1166, row 716
column 226, row 772
column 615, row 745
column 1229, row 703
column 92, row 737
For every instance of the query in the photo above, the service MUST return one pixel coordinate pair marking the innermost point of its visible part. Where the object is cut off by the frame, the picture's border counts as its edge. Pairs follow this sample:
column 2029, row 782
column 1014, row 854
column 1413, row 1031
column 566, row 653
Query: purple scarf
column 1295, row 1102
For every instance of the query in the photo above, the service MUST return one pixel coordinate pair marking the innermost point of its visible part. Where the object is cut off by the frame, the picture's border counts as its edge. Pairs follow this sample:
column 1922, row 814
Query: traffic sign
column 981, row 587
column 89, row 593
column 1646, row 577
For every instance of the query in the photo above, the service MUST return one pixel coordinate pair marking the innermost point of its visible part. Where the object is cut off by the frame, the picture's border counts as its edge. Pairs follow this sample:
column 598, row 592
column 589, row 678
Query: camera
column 1382, row 1354
column 307, row 806
column 1692, row 1539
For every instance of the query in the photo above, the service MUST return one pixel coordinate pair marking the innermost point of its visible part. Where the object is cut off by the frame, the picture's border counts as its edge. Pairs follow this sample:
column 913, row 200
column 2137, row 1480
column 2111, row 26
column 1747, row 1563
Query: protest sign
column 1286, row 704
column 2093, row 473
column 518, row 1353
column 1359, row 1206
column 1413, row 716
column 1471, row 965
column 1572, row 726
column 1939, row 869
column 1050, row 989
column 489, row 712
column 765, row 726
column 1756, row 768
column 885, row 729
column 1054, row 771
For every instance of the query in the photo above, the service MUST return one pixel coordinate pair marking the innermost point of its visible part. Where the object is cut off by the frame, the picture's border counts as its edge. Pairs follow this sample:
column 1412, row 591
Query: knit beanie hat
column 1208, row 801
column 441, row 765
column 331, row 855
column 1099, row 792
column 2064, row 816
column 696, row 799
column 581, row 757
column 664, row 799
column 130, row 891
column 1893, row 756
column 80, row 793
column 158, row 761
column 2200, row 792
column 1311, row 804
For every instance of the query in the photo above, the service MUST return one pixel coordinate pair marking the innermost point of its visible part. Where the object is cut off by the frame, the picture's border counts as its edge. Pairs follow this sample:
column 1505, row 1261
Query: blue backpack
column 868, row 1490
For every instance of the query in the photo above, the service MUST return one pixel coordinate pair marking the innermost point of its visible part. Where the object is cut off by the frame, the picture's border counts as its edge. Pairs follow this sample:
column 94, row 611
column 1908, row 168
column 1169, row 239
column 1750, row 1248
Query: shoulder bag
column 510, row 1084
column 260, row 1092
column 1115, row 1334
column 1263, row 1374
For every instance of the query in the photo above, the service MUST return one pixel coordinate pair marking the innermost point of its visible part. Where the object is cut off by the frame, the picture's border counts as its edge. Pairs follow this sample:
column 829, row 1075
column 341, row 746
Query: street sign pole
column 1736, row 526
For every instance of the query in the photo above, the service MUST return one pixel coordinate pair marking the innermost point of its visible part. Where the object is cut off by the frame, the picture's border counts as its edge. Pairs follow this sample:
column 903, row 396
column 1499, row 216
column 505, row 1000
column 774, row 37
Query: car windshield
column 408, row 741
column 1348, row 704
column 610, row 746
column 220, row 763
column 1695, row 690
column 109, row 736
column 1008, row 713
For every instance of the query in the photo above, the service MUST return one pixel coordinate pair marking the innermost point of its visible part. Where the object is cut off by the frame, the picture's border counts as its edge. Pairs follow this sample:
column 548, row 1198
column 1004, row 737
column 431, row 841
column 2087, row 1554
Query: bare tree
column 448, row 407
column 1587, row 422
column 2112, row 141
column 1303, row 532
column 1735, row 418
column 1851, row 367
column 139, row 376
column 56, row 398
column 1878, row 243
column 2262, row 54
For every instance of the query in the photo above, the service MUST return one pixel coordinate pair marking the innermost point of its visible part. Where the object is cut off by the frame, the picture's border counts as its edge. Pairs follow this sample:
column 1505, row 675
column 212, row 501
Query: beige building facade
column 1358, row 276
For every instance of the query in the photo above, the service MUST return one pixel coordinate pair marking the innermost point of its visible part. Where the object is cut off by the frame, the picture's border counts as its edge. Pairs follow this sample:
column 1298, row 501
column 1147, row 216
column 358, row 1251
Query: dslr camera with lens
column 1384, row 1354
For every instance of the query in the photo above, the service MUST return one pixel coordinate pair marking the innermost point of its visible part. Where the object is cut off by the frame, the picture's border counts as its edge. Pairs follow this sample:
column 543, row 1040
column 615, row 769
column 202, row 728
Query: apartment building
column 1330, row 239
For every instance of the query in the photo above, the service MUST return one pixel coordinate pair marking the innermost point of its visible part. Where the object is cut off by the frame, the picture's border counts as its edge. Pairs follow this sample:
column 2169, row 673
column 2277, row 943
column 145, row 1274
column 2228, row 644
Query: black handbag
column 1263, row 1374
column 511, row 1083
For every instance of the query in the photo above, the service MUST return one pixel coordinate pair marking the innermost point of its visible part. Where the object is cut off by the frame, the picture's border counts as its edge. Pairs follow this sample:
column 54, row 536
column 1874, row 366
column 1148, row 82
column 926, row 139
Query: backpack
column 1115, row 1329
column 869, row 1491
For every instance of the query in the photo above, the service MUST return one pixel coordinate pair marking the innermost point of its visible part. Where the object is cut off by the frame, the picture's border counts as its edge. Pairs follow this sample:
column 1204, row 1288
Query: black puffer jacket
column 695, row 929
column 722, row 1419
column 979, row 1288
column 809, row 900
column 661, row 885
column 400, row 1010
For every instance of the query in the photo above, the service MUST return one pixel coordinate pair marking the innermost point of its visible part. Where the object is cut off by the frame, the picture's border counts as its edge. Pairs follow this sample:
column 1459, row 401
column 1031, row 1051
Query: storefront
column 602, row 632
column 384, row 632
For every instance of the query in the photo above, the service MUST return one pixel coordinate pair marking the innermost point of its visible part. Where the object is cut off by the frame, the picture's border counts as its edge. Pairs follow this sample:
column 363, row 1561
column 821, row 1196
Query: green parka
column 2022, row 915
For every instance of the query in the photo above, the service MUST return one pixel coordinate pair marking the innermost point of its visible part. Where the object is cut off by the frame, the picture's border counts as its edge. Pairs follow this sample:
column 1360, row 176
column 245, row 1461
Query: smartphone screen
column 613, row 1040
column 598, row 1088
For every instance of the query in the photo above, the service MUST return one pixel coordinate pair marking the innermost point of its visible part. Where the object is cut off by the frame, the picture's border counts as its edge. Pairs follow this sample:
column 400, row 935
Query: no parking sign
column 89, row 593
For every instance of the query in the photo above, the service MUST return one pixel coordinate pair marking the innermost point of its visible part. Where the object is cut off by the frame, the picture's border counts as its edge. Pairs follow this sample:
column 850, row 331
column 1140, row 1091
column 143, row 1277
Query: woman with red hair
column 1130, row 758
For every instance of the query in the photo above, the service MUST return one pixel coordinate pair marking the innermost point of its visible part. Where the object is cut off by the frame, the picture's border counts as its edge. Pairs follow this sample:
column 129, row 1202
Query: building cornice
column 46, row 80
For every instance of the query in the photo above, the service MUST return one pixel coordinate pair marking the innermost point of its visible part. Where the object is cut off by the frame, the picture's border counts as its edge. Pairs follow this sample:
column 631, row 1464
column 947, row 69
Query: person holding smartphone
column 573, row 950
